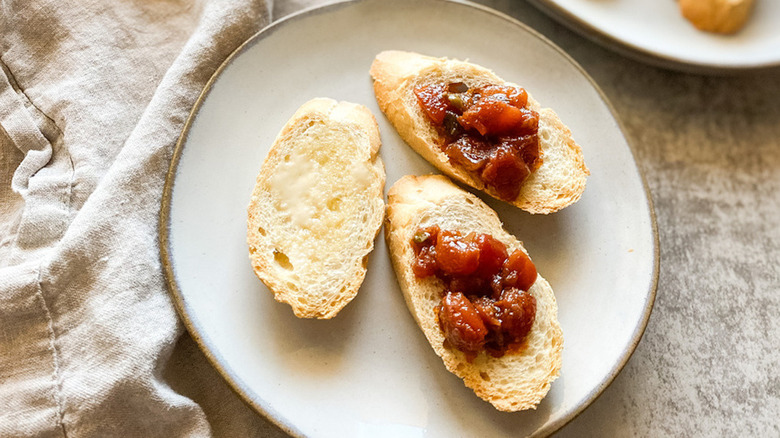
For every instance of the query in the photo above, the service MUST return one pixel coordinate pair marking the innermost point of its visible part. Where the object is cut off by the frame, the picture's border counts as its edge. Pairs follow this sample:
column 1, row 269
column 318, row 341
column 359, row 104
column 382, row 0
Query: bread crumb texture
column 317, row 206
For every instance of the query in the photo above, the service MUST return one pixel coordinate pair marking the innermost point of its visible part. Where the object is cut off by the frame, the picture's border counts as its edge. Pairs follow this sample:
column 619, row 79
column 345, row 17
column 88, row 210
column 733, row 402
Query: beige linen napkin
column 93, row 96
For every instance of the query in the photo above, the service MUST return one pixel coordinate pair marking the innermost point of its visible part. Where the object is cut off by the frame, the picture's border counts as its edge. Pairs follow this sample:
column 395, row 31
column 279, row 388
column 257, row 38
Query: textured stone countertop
column 708, row 363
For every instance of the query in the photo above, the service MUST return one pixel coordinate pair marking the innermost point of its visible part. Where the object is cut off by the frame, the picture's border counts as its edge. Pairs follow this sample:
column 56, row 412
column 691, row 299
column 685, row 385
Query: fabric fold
column 96, row 101
column 44, row 176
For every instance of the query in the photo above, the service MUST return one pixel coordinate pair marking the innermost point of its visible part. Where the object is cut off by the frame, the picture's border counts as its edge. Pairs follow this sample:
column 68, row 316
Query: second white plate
column 370, row 371
column 656, row 32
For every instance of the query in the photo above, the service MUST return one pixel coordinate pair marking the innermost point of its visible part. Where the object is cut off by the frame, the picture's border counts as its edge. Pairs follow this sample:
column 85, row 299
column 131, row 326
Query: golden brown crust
column 515, row 381
column 721, row 16
column 560, row 180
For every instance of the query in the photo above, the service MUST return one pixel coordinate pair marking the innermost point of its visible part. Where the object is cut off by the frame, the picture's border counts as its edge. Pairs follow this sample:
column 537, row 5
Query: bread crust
column 559, row 182
column 721, row 16
column 513, row 382
column 317, row 207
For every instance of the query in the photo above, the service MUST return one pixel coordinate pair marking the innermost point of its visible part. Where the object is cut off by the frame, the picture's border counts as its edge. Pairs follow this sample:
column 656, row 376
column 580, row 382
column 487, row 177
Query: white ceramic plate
column 370, row 372
column 656, row 32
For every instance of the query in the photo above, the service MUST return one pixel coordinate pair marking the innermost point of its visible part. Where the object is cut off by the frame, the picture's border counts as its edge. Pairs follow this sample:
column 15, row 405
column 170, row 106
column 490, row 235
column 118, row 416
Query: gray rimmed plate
column 370, row 371
column 656, row 32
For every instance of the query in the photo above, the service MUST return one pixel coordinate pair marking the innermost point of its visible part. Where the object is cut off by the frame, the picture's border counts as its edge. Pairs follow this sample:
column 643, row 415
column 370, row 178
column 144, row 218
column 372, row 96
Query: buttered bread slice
column 317, row 207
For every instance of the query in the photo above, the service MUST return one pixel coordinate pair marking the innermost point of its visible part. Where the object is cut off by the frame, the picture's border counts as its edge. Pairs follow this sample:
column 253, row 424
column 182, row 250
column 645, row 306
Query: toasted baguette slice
column 515, row 381
column 317, row 206
column 720, row 16
column 559, row 181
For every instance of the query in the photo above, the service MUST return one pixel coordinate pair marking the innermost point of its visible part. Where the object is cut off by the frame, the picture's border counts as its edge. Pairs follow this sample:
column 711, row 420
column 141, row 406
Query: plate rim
column 642, row 54
column 233, row 381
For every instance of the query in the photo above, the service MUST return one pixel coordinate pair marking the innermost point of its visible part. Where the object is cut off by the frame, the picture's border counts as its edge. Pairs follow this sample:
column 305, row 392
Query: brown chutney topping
column 489, row 132
column 485, row 304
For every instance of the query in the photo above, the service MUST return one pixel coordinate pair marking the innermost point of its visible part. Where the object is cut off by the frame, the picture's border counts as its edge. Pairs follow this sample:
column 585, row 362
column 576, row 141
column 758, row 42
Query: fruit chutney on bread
column 473, row 291
column 485, row 304
column 480, row 130
column 487, row 131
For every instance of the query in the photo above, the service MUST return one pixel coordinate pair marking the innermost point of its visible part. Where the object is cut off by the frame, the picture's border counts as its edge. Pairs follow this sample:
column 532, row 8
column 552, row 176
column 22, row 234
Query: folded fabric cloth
column 93, row 96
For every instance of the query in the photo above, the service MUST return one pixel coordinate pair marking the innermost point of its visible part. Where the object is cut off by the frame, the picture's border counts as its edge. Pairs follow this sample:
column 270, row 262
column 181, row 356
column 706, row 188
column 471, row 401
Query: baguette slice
column 317, row 207
column 515, row 381
column 720, row 16
column 559, row 181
